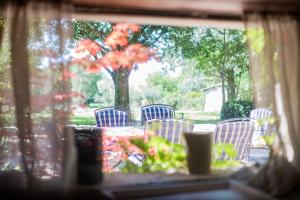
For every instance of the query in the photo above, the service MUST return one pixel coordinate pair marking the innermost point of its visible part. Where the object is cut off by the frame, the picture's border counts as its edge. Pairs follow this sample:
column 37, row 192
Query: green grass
column 83, row 120
column 93, row 105
column 208, row 121
column 199, row 118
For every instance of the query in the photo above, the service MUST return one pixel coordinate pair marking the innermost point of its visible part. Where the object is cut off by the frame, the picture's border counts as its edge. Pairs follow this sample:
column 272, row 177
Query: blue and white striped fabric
column 111, row 117
column 157, row 111
column 238, row 133
column 170, row 129
column 261, row 114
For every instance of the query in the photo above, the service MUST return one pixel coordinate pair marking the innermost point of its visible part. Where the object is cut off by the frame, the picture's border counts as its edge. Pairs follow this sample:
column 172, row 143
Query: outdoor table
column 204, row 127
column 127, row 131
column 182, row 113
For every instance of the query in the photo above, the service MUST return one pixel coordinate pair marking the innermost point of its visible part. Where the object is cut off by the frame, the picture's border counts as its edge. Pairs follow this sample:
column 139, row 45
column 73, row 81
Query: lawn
column 83, row 120
column 198, row 118
column 201, row 117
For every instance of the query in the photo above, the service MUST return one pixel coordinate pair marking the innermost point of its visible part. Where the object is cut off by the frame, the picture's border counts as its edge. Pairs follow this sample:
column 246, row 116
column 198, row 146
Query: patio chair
column 260, row 114
column 111, row 117
column 170, row 129
column 236, row 132
column 259, row 149
column 156, row 111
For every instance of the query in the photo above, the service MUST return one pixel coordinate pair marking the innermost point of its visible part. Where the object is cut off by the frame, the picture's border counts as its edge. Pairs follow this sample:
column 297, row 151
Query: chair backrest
column 259, row 114
column 238, row 133
column 111, row 117
column 170, row 129
column 156, row 111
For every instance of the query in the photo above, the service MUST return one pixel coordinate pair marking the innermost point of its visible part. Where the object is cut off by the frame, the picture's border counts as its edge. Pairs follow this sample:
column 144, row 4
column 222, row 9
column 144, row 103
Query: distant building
column 213, row 98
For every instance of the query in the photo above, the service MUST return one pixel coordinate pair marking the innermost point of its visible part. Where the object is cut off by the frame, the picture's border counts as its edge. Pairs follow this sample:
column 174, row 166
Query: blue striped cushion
column 170, row 129
column 238, row 133
column 111, row 117
column 261, row 113
column 157, row 111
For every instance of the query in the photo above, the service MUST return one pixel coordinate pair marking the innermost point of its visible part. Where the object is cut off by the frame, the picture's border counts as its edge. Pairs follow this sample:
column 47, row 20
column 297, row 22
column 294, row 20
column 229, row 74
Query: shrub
column 160, row 156
column 236, row 109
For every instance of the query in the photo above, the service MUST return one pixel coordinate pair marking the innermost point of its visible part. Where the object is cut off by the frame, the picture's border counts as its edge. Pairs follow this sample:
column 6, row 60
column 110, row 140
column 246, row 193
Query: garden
column 177, row 64
column 202, row 73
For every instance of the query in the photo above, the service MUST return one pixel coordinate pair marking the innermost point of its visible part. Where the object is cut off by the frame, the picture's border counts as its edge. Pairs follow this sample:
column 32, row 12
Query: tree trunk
column 223, row 85
column 121, row 83
column 231, row 90
column 223, row 67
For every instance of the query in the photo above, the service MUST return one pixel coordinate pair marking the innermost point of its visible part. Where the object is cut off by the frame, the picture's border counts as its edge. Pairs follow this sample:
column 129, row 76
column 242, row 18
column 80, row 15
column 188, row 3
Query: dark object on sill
column 89, row 150
column 199, row 142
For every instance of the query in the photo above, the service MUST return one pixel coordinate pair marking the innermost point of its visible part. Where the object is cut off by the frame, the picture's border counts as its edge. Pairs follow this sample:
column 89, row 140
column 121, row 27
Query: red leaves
column 88, row 45
column 122, row 55
column 94, row 67
column 66, row 74
column 138, row 53
column 125, row 27
column 65, row 96
column 117, row 38
column 152, row 151
column 120, row 34
column 40, row 102
column 120, row 145
column 127, row 58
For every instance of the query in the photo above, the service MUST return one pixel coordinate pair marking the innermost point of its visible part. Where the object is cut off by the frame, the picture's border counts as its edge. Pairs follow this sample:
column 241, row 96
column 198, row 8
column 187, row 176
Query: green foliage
column 216, row 51
column 236, row 109
column 161, row 156
column 229, row 151
column 266, row 120
column 83, row 120
column 105, row 96
column 269, row 140
column 193, row 58
column 182, row 91
column 87, row 84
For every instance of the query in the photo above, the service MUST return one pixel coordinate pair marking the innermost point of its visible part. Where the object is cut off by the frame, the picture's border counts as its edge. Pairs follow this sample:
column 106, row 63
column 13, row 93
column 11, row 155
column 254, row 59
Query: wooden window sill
column 170, row 186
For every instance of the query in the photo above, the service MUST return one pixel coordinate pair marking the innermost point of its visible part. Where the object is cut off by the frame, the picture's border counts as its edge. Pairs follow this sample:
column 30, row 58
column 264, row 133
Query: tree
column 218, row 53
column 152, row 36
column 115, row 54
column 86, row 84
column 182, row 90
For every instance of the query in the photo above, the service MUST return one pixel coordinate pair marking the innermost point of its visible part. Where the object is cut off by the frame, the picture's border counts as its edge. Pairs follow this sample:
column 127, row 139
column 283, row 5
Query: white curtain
column 34, row 93
column 274, row 46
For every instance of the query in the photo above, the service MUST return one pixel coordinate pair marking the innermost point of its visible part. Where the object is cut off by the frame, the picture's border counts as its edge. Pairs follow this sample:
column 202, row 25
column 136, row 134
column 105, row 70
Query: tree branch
column 162, row 33
column 109, row 71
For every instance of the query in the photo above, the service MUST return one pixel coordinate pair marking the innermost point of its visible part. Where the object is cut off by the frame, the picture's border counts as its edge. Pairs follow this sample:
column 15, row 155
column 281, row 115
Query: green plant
column 230, row 152
column 160, row 156
column 163, row 156
column 270, row 137
column 236, row 109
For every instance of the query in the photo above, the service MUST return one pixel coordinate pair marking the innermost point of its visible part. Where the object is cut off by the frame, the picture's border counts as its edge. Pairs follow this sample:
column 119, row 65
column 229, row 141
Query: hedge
column 236, row 109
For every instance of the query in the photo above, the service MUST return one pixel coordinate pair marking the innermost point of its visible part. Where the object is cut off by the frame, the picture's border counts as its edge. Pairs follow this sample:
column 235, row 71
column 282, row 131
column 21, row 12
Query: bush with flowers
column 160, row 155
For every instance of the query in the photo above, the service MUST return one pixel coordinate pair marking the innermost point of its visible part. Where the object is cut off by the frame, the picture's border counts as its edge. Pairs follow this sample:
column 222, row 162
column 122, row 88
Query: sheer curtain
column 274, row 45
column 35, row 94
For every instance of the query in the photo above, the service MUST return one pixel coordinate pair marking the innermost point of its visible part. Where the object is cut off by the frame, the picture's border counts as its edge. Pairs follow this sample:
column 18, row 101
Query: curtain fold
column 274, row 47
column 35, row 94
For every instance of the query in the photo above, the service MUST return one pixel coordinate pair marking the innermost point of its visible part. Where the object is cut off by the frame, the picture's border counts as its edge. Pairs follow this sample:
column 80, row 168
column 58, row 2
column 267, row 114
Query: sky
column 138, row 77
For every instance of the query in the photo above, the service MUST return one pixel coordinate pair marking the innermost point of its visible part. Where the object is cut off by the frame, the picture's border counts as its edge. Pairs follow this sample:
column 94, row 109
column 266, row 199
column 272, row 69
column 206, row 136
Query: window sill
column 158, row 185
